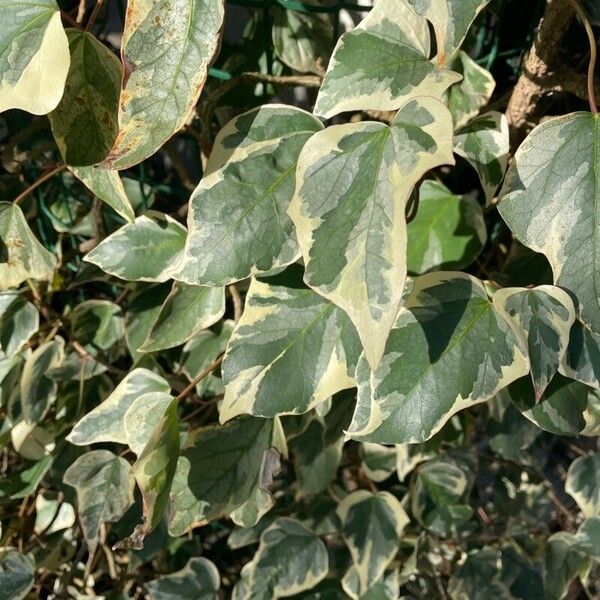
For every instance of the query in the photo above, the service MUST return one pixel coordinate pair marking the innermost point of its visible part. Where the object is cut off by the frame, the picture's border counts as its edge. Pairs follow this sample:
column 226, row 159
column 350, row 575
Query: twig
column 67, row 17
column 81, row 11
column 593, row 53
column 237, row 302
column 39, row 182
column 94, row 15
column 186, row 390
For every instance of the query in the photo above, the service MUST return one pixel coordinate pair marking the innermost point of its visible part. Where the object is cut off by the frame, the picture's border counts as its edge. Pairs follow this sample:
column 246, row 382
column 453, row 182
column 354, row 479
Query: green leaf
column 34, row 56
column 142, row 418
column 105, row 423
column 484, row 144
column 563, row 562
column 377, row 461
column 218, row 469
column 303, row 40
column 582, row 359
column 449, row 350
column 436, row 497
column 19, row 320
column 17, row 573
column 290, row 559
column 560, row 155
column 84, row 123
column 25, row 482
column 371, row 526
column 154, row 469
column 98, row 323
column 382, row 63
column 108, row 186
column 187, row 310
column 588, row 537
column 166, row 49
column 149, row 249
column 566, row 408
column 238, row 222
column 542, row 318
column 104, row 491
column 143, row 310
column 451, row 20
column 30, row 441
column 583, row 483
column 21, row 255
column 349, row 211
column 448, row 232
column 198, row 580
column 271, row 343
column 37, row 390
column 467, row 97
column 387, row 587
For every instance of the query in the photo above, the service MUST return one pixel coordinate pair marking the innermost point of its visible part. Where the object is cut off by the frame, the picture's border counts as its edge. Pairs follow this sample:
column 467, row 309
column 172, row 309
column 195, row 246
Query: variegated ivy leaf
column 17, row 574
column 187, row 310
column 582, row 358
column 108, row 186
column 349, row 211
column 238, row 218
column 550, row 202
column 382, row 63
column 149, row 249
column 563, row 562
column 98, row 323
column 219, row 468
column 387, row 587
column 142, row 417
column 198, row 580
column 567, row 407
column 449, row 350
column 19, row 320
column 303, row 40
column 287, row 333
column 377, row 461
column 371, row 526
column 448, row 231
column 34, row 55
column 37, row 390
column 583, row 484
column 84, row 123
column 106, row 422
column 467, row 97
column 451, row 20
column 104, row 491
column 167, row 48
column 23, row 257
column 542, row 318
column 290, row 559
column 154, row 469
column 484, row 143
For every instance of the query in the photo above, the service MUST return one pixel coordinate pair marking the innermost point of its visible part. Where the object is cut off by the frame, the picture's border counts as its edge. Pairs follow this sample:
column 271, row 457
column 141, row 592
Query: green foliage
column 343, row 347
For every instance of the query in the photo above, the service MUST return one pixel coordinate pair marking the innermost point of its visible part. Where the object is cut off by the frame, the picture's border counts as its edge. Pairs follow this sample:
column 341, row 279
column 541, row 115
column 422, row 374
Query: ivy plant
column 305, row 312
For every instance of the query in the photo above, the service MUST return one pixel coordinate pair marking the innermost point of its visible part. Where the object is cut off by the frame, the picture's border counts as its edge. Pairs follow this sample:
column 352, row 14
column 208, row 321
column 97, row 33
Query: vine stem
column 200, row 377
column 39, row 182
column 94, row 14
column 593, row 54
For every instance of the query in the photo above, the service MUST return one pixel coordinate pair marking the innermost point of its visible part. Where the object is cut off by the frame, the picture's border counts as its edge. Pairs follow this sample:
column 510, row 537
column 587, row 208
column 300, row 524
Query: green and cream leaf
column 583, row 484
column 198, row 580
column 349, row 211
column 382, row 63
column 460, row 352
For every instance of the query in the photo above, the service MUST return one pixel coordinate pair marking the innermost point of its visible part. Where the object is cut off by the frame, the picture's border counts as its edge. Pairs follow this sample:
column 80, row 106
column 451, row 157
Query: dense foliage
column 306, row 311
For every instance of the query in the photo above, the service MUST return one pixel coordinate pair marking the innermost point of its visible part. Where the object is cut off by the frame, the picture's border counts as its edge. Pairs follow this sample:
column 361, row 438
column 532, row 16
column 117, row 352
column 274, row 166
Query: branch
column 39, row 182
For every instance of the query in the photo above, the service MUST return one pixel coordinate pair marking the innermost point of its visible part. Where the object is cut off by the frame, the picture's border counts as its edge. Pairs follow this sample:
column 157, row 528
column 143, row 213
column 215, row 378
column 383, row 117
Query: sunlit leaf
column 34, row 55
column 166, row 49
column 198, row 580
column 238, row 218
column 281, row 321
column 104, row 490
column 382, row 63
column 349, row 211
column 449, row 350
column 21, row 255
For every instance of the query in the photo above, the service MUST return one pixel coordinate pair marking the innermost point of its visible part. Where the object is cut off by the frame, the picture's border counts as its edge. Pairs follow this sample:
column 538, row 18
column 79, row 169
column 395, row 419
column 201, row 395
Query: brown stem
column 69, row 19
column 237, row 302
column 92, row 19
column 593, row 53
column 200, row 377
column 39, row 182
